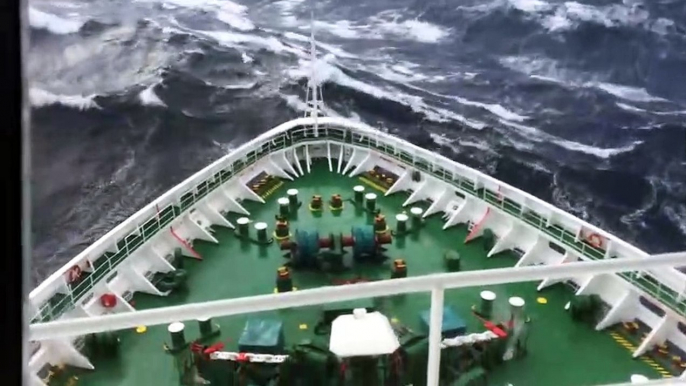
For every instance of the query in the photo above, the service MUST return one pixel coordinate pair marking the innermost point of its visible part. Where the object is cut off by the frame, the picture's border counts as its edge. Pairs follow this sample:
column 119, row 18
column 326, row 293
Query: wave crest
column 53, row 23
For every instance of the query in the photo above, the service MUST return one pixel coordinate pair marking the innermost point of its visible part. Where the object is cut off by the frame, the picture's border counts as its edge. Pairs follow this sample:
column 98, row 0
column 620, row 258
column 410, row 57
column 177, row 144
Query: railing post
column 435, row 329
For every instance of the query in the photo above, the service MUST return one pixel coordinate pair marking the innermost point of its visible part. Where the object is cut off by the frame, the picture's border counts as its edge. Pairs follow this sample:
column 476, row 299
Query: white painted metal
column 435, row 328
column 74, row 327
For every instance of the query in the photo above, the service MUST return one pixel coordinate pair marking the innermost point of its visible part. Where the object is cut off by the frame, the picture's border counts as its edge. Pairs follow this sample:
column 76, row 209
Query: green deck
column 561, row 352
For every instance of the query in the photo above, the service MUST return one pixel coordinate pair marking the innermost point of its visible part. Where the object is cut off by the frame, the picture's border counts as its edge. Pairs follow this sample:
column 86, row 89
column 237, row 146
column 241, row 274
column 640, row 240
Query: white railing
column 436, row 283
column 146, row 223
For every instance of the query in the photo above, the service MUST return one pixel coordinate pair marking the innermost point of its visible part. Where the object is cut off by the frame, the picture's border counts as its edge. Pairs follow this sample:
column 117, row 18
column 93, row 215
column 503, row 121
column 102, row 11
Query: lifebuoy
column 74, row 274
column 108, row 300
column 595, row 240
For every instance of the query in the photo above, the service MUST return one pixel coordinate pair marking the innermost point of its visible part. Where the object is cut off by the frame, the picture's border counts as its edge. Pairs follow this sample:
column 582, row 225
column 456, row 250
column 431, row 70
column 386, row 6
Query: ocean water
column 580, row 103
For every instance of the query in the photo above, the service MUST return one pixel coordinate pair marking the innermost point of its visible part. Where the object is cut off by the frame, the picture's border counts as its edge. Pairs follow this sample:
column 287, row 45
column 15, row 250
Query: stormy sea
column 581, row 103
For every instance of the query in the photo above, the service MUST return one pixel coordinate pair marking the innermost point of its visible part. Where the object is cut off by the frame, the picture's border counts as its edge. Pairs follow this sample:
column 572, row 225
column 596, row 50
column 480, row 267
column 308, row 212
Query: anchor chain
column 248, row 357
column 468, row 339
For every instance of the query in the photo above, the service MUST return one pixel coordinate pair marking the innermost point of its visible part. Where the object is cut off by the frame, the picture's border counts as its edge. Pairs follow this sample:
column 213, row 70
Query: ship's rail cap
column 331, row 294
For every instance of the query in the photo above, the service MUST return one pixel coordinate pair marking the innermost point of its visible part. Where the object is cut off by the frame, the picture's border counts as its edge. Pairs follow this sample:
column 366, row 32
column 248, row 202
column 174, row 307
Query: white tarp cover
column 362, row 334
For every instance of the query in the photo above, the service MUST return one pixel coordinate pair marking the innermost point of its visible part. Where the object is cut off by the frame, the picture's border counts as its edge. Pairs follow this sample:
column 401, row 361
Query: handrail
column 288, row 135
column 330, row 294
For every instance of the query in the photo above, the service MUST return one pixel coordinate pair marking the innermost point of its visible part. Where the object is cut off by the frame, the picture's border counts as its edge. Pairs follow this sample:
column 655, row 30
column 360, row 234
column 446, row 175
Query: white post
column 435, row 328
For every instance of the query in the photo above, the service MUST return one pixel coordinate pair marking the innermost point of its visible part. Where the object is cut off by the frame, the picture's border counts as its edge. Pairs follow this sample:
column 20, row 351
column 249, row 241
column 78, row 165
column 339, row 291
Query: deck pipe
column 243, row 226
column 487, row 299
column 292, row 196
column 283, row 206
column 401, row 223
column 371, row 201
column 261, row 228
column 178, row 339
column 359, row 193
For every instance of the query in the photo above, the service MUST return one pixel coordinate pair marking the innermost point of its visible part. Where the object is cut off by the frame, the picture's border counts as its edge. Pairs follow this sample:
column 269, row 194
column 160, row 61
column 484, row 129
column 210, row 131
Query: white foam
column 341, row 28
column 55, row 24
column 287, row 7
column 236, row 21
column 680, row 112
column 235, row 39
column 396, row 72
column 149, row 98
column 626, row 107
column 635, row 109
column 570, row 14
column 233, row 14
column 534, row 134
column 633, row 94
column 638, row 215
column 548, row 70
column 539, row 67
column 41, row 98
column 529, row 5
column 328, row 72
column 414, row 29
column 494, row 108
column 678, row 216
column 246, row 58
column 456, row 144
column 384, row 26
column 596, row 151
column 294, row 102
column 337, row 51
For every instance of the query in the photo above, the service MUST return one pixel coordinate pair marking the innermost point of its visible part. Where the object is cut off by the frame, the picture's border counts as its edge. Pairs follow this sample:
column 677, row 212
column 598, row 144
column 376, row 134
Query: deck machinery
column 307, row 250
